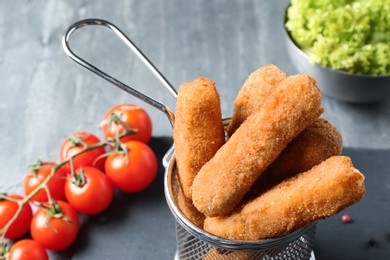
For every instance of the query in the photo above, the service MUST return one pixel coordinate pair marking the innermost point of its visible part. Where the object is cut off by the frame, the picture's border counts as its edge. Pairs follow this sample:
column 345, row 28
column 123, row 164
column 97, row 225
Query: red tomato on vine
column 133, row 167
column 38, row 173
column 27, row 249
column 75, row 144
column 130, row 118
column 89, row 191
column 56, row 226
column 8, row 208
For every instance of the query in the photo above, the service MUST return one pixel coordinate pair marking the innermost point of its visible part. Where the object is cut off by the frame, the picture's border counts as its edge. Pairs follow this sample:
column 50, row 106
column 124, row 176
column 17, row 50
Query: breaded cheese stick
column 255, row 90
column 198, row 132
column 316, row 143
column 188, row 209
column 320, row 192
column 223, row 181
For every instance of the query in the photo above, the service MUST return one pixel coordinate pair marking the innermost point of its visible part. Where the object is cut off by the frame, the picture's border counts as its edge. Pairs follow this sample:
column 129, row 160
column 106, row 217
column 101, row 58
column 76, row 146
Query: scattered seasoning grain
column 371, row 241
column 346, row 218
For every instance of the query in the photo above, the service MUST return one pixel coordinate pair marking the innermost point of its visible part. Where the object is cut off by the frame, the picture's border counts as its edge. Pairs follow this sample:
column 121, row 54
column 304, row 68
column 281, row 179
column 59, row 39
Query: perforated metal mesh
column 191, row 248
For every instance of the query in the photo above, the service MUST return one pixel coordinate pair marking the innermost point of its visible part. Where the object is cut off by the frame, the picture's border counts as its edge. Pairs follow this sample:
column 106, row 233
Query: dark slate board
column 370, row 217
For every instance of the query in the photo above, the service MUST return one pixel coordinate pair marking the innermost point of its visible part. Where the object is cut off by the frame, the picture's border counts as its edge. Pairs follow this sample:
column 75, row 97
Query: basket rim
column 243, row 245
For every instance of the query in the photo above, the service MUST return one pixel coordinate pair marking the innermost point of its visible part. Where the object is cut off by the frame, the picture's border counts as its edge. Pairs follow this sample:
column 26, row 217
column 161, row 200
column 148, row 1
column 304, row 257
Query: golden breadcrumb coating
column 318, row 193
column 222, row 182
column 198, row 132
column 313, row 145
column 255, row 90
column 188, row 209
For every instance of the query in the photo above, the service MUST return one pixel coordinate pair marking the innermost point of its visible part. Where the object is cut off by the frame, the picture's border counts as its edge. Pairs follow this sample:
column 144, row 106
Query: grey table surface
column 45, row 97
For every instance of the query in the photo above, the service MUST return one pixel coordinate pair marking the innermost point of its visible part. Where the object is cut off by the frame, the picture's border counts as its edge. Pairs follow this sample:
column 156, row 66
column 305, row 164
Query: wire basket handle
column 65, row 44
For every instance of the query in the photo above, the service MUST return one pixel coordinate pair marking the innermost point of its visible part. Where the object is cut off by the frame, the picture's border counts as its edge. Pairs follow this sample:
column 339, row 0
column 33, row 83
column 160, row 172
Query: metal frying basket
column 193, row 242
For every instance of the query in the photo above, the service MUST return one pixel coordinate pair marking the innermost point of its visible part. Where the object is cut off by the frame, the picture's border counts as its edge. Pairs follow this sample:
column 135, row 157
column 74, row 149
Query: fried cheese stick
column 320, row 192
column 255, row 90
column 198, row 132
column 313, row 145
column 188, row 209
column 223, row 181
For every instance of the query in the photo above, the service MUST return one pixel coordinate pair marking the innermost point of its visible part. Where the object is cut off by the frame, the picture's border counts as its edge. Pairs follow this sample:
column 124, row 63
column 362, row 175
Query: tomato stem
column 33, row 168
column 21, row 203
column 78, row 140
column 79, row 179
column 49, row 198
column 72, row 170
column 3, row 195
column 4, row 250
column 116, row 118
column 54, row 211
column 122, row 148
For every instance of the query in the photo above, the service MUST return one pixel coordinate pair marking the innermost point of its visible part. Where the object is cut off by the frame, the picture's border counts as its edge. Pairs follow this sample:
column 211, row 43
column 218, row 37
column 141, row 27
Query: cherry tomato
column 53, row 232
column 8, row 209
column 90, row 191
column 27, row 249
column 39, row 173
column 127, row 116
column 74, row 145
column 132, row 172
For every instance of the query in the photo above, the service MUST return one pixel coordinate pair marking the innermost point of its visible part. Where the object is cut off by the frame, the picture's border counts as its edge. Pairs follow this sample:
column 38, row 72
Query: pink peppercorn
column 346, row 218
